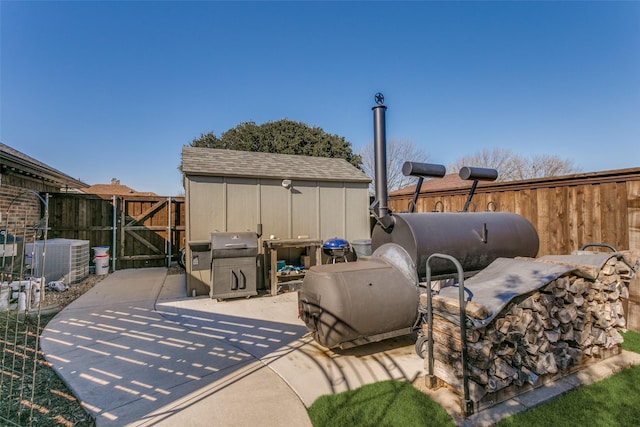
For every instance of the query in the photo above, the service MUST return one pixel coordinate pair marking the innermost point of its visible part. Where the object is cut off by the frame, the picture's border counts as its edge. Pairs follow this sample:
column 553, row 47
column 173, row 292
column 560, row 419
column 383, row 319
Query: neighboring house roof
column 13, row 160
column 218, row 162
column 447, row 182
column 115, row 189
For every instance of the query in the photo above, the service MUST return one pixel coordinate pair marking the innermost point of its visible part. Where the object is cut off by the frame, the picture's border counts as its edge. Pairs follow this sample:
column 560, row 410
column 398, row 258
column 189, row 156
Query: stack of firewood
column 552, row 330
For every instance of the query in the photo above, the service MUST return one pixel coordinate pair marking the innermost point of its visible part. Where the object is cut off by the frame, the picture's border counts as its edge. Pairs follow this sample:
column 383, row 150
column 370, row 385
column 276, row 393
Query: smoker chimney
column 380, row 209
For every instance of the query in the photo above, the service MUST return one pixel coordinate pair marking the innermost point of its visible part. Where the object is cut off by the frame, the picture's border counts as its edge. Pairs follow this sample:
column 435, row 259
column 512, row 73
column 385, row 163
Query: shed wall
column 316, row 209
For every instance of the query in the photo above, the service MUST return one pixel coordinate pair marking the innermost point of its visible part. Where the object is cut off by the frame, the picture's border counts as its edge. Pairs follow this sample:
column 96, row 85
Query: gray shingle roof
column 12, row 158
column 217, row 162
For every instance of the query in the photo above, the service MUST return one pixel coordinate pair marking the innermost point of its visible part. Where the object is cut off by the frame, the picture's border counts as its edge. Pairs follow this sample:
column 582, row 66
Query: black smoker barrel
column 474, row 239
column 233, row 265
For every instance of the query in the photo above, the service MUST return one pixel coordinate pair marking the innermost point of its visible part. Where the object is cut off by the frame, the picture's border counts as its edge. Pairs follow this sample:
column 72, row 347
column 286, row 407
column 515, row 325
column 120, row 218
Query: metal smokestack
column 381, row 210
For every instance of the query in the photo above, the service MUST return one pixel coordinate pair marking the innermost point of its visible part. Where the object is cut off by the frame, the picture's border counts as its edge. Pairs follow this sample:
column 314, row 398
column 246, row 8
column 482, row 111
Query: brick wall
column 25, row 209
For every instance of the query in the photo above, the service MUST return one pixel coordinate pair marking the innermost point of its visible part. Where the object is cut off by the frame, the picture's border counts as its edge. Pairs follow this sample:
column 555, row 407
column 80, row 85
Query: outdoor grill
column 233, row 265
column 336, row 248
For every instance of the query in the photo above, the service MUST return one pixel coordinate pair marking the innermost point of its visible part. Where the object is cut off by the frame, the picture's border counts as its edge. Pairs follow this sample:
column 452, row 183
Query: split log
column 531, row 377
column 496, row 384
column 449, row 328
column 502, row 369
column 567, row 314
column 552, row 335
column 579, row 286
column 546, row 364
column 452, row 306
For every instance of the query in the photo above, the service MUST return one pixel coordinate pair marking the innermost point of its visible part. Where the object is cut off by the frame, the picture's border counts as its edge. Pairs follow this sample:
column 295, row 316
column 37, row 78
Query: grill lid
column 335, row 243
column 335, row 247
column 226, row 245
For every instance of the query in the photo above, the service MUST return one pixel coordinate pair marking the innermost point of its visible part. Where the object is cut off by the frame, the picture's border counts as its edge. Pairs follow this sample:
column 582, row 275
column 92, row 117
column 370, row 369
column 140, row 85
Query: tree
column 546, row 165
column 398, row 152
column 512, row 167
column 284, row 137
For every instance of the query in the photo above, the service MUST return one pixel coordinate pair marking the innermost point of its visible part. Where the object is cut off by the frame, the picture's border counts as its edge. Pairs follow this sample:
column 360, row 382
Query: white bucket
column 102, row 264
column 36, row 295
column 5, row 291
column 100, row 250
column 22, row 302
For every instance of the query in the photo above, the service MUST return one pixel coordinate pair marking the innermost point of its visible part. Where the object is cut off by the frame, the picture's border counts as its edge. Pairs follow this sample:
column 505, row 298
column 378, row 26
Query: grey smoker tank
column 350, row 304
column 474, row 239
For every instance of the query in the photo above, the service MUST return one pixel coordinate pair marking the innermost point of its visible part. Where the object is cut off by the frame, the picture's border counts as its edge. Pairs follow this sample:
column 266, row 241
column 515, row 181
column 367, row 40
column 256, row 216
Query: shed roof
column 219, row 162
column 19, row 162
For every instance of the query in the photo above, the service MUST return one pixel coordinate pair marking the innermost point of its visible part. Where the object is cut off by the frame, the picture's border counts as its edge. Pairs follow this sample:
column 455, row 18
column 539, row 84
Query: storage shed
column 281, row 195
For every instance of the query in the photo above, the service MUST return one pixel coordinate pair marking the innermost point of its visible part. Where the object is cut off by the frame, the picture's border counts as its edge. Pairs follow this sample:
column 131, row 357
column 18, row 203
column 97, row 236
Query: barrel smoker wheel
column 421, row 346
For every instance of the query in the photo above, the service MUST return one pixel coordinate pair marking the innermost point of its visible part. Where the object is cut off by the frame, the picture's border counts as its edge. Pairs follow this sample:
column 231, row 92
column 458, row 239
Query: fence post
column 169, row 235
column 113, row 233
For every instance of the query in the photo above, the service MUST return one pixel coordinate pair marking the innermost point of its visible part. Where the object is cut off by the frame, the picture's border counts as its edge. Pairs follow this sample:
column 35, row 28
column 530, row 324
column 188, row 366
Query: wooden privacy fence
column 567, row 211
column 141, row 231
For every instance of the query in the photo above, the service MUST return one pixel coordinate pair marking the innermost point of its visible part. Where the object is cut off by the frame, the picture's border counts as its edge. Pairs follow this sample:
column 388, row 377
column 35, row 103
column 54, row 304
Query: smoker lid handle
column 235, row 245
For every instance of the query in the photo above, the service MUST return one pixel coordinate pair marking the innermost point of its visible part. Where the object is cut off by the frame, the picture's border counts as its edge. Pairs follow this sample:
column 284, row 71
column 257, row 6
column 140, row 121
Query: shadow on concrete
column 144, row 362
column 309, row 368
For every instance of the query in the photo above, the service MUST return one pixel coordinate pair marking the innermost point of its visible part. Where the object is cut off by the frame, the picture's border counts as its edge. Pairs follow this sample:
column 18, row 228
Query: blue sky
column 103, row 90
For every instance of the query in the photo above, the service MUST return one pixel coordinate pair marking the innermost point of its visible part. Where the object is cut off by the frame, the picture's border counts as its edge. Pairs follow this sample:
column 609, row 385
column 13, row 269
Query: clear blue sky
column 103, row 90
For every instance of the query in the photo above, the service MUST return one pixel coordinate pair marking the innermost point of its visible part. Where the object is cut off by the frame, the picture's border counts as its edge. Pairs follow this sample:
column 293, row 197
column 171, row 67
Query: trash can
column 362, row 247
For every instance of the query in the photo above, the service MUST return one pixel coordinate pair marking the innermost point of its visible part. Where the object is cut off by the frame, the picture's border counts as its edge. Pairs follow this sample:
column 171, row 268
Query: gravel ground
column 62, row 299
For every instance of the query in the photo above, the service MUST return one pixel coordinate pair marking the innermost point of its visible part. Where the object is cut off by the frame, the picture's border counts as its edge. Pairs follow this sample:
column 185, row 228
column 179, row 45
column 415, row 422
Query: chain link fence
column 31, row 394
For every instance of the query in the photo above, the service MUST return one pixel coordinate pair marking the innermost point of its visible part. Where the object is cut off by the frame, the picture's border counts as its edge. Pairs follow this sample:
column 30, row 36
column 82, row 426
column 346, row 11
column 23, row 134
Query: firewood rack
column 467, row 403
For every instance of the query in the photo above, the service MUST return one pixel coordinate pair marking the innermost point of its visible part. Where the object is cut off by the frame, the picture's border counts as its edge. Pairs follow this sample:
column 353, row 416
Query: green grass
column 610, row 402
column 614, row 401
column 631, row 341
column 386, row 403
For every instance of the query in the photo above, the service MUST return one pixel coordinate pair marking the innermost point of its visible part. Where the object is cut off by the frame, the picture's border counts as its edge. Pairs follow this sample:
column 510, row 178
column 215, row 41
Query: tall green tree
column 283, row 137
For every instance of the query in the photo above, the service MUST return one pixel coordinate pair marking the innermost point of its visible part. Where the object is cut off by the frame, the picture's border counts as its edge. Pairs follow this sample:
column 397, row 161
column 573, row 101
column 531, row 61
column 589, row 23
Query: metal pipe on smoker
column 476, row 174
column 422, row 171
column 380, row 154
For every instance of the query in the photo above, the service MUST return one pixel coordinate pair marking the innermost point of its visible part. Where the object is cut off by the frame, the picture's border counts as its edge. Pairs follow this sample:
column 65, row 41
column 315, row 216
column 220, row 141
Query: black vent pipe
column 381, row 210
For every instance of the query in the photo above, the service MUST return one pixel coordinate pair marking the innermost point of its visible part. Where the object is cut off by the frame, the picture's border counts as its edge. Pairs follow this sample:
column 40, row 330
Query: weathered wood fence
column 141, row 231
